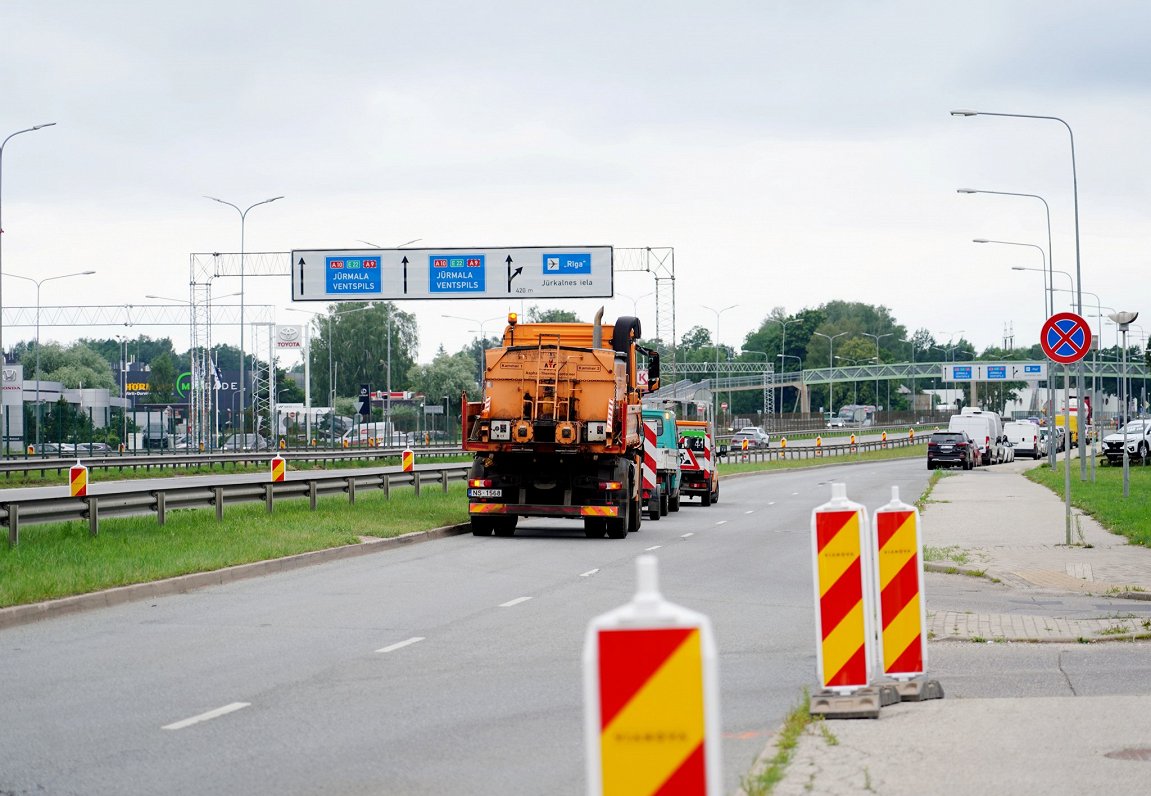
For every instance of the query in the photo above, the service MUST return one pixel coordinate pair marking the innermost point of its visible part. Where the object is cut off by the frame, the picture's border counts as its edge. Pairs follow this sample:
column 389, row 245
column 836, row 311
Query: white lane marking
column 751, row 511
column 399, row 645
column 211, row 714
column 794, row 494
column 655, row 547
column 771, row 502
column 589, row 573
column 722, row 522
column 516, row 601
column 684, row 536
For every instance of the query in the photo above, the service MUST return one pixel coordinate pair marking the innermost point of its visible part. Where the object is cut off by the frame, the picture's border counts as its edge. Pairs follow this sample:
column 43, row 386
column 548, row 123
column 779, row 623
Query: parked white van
column 1024, row 437
column 985, row 429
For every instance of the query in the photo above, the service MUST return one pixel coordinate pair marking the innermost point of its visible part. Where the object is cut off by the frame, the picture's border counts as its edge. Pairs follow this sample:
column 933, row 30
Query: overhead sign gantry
column 515, row 272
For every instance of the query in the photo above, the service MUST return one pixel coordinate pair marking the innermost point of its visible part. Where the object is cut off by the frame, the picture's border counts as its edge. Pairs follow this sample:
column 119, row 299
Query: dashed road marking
column 399, row 645
column 211, row 714
column 722, row 522
column 516, row 601
column 684, row 536
column 750, row 511
column 654, row 547
column 589, row 573
column 771, row 502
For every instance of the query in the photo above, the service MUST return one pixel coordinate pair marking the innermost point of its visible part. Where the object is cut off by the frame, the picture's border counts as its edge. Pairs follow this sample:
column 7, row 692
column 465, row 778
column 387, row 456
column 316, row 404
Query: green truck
column 661, row 472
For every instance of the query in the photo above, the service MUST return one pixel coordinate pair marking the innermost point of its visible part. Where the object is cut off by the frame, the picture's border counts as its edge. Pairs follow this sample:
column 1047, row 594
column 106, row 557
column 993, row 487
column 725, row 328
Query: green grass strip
column 731, row 464
column 1103, row 500
column 771, row 772
column 61, row 559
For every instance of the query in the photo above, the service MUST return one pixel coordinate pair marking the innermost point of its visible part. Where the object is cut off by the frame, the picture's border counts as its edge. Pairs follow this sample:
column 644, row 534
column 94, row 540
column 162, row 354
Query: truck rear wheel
column 594, row 527
column 653, row 508
column 482, row 526
column 673, row 502
column 505, row 525
column 705, row 498
column 664, row 504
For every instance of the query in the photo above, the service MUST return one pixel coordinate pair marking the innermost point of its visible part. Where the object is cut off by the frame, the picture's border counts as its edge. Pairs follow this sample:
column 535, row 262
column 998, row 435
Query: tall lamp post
column 830, row 364
column 766, row 359
column 1078, row 270
column 1124, row 320
column 243, row 358
column 715, row 401
column 38, row 283
column 1050, row 254
column 3, row 360
column 877, row 338
column 483, row 338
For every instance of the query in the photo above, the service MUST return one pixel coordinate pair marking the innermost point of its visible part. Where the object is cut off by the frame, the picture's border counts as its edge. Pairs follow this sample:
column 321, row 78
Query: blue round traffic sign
column 1065, row 338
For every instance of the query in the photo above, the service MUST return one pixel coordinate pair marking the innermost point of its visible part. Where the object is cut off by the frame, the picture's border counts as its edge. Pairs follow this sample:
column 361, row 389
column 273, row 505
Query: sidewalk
column 1037, row 745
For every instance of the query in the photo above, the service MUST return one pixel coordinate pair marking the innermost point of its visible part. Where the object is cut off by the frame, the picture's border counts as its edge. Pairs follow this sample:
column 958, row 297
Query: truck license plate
column 485, row 493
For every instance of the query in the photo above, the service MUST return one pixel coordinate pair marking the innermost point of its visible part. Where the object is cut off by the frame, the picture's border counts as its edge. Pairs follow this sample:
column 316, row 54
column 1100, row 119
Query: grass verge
column 1104, row 499
column 60, row 559
column 770, row 772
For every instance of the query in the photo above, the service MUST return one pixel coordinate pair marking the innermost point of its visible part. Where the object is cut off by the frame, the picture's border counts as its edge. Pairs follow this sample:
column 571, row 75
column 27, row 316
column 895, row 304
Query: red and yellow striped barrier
column 78, row 480
column 842, row 615
column 651, row 695
column 279, row 469
column 902, row 612
column 407, row 460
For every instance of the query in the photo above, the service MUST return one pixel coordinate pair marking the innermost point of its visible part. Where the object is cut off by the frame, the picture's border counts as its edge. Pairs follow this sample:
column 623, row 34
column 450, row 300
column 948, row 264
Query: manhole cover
column 1131, row 754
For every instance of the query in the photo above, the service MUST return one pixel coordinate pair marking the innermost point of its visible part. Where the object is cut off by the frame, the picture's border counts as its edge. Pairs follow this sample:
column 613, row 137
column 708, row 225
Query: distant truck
column 1073, row 417
column 661, row 470
column 700, row 476
column 557, row 431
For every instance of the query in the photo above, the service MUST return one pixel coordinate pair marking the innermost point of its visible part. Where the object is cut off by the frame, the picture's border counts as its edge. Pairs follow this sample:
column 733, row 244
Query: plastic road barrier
column 902, row 609
column 407, row 460
column 651, row 697
column 841, row 563
column 819, row 446
column 279, row 468
column 78, row 480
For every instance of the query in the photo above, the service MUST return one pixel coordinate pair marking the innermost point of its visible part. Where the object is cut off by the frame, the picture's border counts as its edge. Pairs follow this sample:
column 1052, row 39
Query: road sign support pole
column 1067, row 455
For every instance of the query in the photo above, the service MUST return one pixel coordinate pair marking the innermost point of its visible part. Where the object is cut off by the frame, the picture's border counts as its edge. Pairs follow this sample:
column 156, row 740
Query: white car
column 836, row 422
column 1138, row 436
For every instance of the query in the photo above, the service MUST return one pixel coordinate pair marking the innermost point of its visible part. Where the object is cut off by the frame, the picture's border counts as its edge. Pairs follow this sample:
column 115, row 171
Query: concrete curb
column 34, row 612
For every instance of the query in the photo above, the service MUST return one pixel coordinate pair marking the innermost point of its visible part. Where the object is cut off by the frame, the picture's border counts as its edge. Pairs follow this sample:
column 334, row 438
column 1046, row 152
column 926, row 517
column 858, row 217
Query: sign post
column 1066, row 339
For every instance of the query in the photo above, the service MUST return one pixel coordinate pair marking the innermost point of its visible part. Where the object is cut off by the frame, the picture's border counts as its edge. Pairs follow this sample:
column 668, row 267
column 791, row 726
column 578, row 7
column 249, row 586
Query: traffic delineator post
column 819, row 446
column 651, row 697
column 853, row 442
column 743, row 445
column 279, row 468
column 407, row 460
column 841, row 562
column 900, row 605
column 911, row 434
column 78, row 480
column 883, row 440
column 783, row 447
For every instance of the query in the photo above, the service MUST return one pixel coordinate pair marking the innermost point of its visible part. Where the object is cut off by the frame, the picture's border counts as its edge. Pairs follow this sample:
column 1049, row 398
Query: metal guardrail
column 158, row 499
column 777, row 453
column 147, row 462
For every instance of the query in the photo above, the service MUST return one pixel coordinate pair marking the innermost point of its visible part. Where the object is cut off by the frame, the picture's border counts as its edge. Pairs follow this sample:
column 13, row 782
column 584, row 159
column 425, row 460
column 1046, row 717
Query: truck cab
column 700, row 476
column 662, row 478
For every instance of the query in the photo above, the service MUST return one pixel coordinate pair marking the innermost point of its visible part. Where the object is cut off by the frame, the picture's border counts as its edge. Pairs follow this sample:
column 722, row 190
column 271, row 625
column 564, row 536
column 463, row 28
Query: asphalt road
column 451, row 666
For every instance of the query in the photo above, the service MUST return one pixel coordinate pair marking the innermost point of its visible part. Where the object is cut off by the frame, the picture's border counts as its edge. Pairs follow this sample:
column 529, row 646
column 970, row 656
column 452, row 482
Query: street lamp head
column 966, row 190
column 1021, row 268
column 964, row 113
column 1123, row 318
column 42, row 126
column 980, row 240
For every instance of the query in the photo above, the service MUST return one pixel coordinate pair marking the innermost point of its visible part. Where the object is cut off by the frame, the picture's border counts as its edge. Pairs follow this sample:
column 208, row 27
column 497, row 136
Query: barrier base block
column 918, row 689
column 864, row 703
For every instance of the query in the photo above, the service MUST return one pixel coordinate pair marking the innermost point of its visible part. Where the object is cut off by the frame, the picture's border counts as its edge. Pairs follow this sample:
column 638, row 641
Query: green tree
column 357, row 336
column 162, row 381
column 536, row 315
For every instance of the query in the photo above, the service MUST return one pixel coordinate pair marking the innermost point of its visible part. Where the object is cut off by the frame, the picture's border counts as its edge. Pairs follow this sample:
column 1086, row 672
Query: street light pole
column 878, row 337
column 243, row 357
column 3, row 359
column 1124, row 320
column 715, row 401
column 1050, row 253
column 38, row 283
column 831, row 366
column 1078, row 270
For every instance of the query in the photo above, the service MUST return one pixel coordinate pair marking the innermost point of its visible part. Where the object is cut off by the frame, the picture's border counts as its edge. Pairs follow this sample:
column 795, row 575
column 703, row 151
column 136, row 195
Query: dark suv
column 950, row 449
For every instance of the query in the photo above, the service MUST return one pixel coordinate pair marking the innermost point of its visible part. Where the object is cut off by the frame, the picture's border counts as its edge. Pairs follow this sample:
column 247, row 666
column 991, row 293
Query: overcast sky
column 792, row 152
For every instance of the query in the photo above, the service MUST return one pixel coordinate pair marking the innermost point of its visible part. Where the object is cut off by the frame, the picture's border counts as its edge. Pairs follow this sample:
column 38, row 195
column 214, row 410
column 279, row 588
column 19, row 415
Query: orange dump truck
column 557, row 431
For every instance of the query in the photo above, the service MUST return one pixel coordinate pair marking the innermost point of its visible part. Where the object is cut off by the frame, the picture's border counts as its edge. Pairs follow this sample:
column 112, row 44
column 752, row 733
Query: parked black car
column 950, row 449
